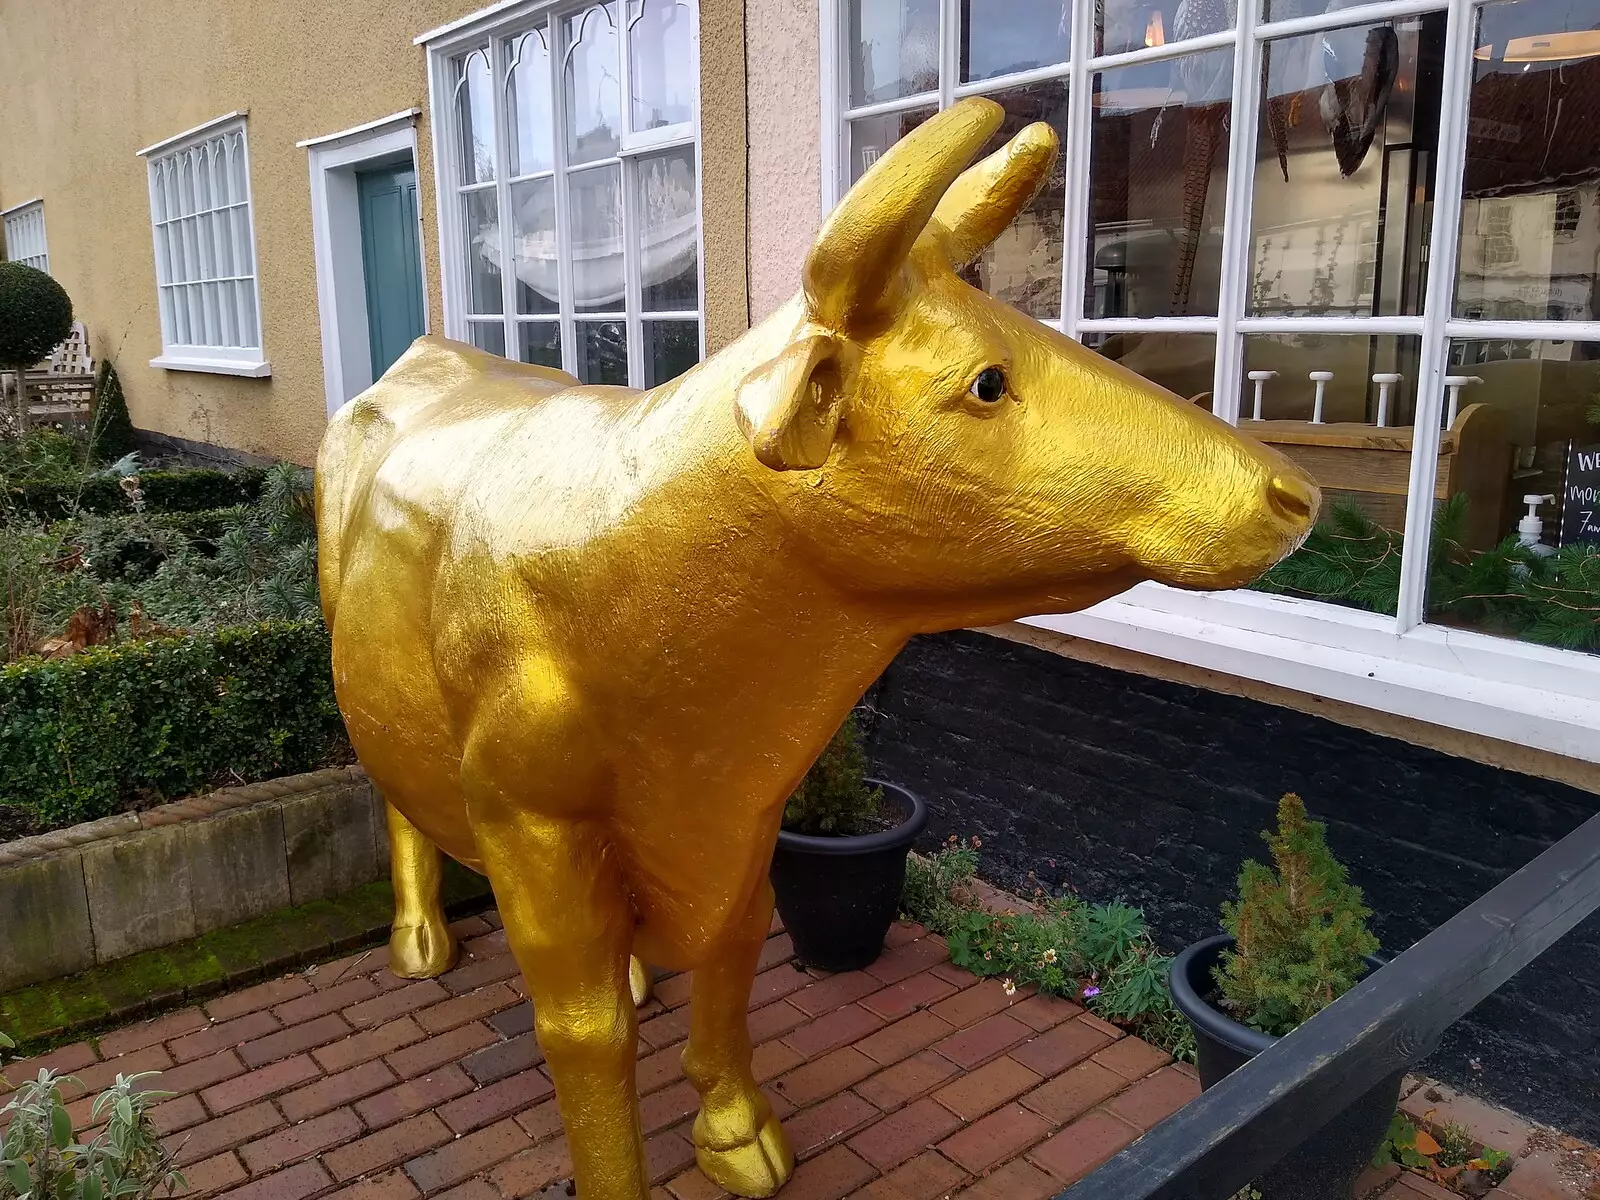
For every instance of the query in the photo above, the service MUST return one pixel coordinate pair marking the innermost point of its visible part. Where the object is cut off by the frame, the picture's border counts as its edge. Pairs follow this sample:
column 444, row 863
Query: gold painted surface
column 589, row 639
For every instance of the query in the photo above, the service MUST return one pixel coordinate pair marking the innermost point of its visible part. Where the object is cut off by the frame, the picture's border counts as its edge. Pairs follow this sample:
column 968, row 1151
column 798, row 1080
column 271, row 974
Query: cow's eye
column 990, row 385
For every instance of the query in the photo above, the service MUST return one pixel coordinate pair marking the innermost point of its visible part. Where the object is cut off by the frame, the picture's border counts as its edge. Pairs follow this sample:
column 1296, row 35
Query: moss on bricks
column 140, row 985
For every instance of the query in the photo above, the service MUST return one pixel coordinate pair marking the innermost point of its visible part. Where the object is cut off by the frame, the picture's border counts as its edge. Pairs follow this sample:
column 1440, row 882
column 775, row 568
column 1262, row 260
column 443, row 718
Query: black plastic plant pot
column 838, row 895
column 1326, row 1165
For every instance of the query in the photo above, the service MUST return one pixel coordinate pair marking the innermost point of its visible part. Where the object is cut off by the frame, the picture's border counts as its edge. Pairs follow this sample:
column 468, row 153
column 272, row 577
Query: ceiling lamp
column 1546, row 47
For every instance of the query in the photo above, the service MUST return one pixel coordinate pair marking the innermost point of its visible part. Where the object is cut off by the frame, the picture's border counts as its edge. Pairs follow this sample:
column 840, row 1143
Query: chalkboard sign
column 1580, row 500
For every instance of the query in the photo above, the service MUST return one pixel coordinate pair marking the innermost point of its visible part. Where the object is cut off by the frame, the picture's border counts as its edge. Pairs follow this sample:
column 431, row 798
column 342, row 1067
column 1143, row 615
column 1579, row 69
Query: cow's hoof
column 639, row 981
column 421, row 951
column 755, row 1169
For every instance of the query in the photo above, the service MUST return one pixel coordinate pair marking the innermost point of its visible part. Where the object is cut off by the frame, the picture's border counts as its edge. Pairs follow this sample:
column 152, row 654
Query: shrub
column 1300, row 931
column 187, row 489
column 35, row 315
column 833, row 798
column 39, row 1157
column 112, row 726
column 111, row 436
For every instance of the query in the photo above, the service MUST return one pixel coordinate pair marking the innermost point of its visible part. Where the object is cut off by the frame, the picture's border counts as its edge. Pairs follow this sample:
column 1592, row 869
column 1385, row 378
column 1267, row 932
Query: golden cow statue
column 587, row 640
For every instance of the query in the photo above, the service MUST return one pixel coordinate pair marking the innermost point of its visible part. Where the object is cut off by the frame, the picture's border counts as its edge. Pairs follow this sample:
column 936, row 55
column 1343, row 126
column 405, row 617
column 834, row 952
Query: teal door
column 390, row 262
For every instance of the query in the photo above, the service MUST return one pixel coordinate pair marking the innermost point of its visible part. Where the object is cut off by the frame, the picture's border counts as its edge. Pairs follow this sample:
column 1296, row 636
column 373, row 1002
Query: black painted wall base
column 1155, row 792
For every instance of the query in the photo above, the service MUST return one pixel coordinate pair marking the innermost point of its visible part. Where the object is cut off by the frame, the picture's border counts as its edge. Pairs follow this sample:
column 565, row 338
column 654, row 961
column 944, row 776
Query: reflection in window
column 594, row 93
column 1344, row 170
column 1530, row 216
column 1183, row 363
column 894, row 49
column 534, row 253
column 1341, row 407
column 660, row 51
column 670, row 349
column 482, row 225
column 668, row 220
column 475, row 117
column 1521, row 558
column 1159, row 162
column 528, row 103
column 1123, row 25
column 602, row 352
column 598, row 265
column 1023, row 265
column 999, row 37
column 539, row 342
column 871, row 136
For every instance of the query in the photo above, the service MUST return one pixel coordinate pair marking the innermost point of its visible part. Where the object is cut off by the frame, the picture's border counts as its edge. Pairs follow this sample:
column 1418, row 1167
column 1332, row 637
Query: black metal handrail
column 1238, row 1130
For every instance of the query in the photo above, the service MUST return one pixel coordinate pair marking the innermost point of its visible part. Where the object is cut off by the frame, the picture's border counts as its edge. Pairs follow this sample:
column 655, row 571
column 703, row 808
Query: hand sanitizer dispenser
column 1530, row 529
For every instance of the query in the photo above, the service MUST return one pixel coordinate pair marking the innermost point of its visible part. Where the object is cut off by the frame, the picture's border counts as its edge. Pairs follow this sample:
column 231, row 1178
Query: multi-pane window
column 572, row 239
column 24, row 228
column 205, row 250
column 1349, row 228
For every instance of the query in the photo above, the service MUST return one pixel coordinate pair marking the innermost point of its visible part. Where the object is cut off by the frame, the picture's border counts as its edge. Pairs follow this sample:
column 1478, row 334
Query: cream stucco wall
column 785, row 145
column 84, row 84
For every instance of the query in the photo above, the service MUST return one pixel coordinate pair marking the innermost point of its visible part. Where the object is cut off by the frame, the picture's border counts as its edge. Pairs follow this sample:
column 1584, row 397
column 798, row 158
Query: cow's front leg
column 420, row 942
column 570, row 925
column 737, row 1139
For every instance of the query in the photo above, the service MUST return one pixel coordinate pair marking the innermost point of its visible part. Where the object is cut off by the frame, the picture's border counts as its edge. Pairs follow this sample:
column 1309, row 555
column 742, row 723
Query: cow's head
column 929, row 441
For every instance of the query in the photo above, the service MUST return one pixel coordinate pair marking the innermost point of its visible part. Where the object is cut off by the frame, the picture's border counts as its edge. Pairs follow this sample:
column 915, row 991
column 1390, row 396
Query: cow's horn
column 850, row 272
column 989, row 195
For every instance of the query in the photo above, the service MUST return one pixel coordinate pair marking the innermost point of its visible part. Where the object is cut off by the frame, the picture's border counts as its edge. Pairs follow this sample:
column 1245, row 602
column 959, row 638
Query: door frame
column 336, row 242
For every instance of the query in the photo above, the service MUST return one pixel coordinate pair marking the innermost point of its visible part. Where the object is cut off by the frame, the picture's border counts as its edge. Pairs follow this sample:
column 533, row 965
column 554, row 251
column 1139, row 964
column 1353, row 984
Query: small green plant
column 1299, row 928
column 111, row 434
column 1100, row 955
column 833, row 799
column 40, row 1160
column 1399, row 1146
column 1492, row 1162
column 1456, row 1146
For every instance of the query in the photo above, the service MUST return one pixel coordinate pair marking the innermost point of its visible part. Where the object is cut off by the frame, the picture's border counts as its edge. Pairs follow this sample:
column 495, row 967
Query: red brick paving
column 911, row 1080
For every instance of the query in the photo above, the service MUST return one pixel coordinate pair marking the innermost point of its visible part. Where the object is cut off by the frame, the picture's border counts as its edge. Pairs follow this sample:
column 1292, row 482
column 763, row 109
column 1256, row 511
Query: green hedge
column 189, row 489
column 118, row 726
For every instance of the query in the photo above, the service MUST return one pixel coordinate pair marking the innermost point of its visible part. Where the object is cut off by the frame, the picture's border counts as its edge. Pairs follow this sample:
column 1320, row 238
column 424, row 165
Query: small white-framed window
column 566, row 147
column 25, row 240
column 205, row 256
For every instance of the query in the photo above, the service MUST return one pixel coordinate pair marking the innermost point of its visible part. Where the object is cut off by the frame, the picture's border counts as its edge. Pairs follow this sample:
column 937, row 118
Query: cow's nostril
column 1292, row 497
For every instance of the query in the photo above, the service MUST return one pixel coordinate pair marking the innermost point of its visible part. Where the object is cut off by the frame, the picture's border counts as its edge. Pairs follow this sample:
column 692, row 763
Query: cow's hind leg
column 570, row 925
column 420, row 942
column 737, row 1139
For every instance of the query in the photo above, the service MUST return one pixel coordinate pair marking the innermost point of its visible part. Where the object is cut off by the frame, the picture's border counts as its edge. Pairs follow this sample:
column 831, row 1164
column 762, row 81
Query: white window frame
column 1497, row 687
column 489, row 29
column 19, row 221
column 219, row 360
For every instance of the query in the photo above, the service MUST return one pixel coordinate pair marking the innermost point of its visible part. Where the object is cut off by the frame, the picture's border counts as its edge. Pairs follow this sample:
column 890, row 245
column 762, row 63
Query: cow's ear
column 788, row 408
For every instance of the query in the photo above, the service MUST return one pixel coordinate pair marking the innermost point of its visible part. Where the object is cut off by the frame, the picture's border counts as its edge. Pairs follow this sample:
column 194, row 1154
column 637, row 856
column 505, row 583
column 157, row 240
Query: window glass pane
column 488, row 335
column 668, row 231
column 598, row 271
column 528, row 103
column 594, row 100
column 1525, row 442
column 1183, row 363
column 894, row 49
column 660, row 58
column 602, row 353
column 535, row 256
column 871, row 136
column 1352, row 556
column 1159, row 171
column 539, row 342
column 1530, row 214
column 1123, row 25
column 670, row 349
column 481, row 220
column 1023, row 265
column 1002, row 36
column 475, row 117
column 1344, row 169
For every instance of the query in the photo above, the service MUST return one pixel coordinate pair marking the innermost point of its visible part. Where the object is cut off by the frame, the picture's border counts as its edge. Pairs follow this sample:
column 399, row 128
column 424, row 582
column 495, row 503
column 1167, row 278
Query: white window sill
column 1513, row 691
column 252, row 368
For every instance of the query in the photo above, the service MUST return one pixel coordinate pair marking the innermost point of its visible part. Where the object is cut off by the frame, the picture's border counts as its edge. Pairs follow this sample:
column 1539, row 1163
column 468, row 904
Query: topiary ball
column 35, row 315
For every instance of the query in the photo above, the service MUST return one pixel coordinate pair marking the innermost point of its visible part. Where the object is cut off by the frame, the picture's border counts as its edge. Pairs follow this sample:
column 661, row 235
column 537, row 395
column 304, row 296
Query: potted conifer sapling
column 1296, row 940
column 840, row 863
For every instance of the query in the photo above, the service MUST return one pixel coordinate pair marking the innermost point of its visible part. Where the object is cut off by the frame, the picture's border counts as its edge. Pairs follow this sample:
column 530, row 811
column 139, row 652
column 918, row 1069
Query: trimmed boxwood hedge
column 116, row 727
column 188, row 489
